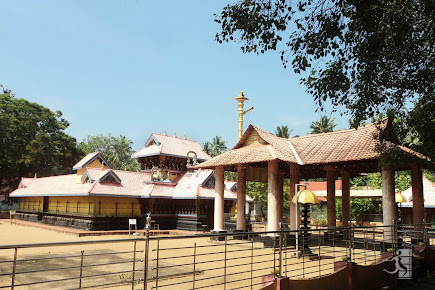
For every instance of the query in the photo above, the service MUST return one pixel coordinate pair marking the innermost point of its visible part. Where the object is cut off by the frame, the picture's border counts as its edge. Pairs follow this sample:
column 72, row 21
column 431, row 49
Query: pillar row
column 345, row 197
column 417, row 194
column 388, row 202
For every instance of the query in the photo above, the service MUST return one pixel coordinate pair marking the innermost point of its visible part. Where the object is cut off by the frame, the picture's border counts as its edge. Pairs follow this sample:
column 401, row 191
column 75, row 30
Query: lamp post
column 241, row 99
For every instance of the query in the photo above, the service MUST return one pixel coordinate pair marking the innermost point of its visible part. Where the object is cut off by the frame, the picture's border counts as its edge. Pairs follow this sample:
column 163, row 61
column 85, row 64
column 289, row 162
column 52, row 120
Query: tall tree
column 32, row 140
column 365, row 56
column 116, row 150
column 216, row 147
column 283, row 131
column 324, row 125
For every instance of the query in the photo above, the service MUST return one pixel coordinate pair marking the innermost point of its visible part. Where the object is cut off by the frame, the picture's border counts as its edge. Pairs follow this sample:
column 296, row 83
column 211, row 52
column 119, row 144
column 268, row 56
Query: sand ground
column 243, row 264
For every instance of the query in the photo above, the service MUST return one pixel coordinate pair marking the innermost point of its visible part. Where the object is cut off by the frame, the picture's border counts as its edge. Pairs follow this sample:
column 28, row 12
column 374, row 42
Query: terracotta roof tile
column 169, row 145
column 62, row 185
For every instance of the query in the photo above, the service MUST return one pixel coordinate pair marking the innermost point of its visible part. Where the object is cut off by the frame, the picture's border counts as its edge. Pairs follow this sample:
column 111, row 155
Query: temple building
column 169, row 188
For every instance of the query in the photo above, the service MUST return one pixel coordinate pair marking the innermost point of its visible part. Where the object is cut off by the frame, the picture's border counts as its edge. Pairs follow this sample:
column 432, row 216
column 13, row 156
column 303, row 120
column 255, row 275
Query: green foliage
column 216, row 147
column 33, row 140
column 430, row 175
column 319, row 216
column 324, row 125
column 364, row 57
column 338, row 209
column 283, row 131
column 116, row 150
column 361, row 207
column 258, row 191
column 374, row 180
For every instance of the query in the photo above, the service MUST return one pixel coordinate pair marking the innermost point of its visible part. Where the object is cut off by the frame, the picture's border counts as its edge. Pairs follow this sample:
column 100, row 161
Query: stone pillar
column 417, row 194
column 219, row 199
column 295, row 176
column 388, row 203
column 345, row 197
column 280, row 182
column 241, row 197
column 272, row 196
column 330, row 195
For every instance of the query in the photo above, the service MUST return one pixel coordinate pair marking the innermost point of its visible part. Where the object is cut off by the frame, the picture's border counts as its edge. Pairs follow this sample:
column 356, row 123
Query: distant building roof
column 428, row 194
column 131, row 184
column 88, row 159
column 159, row 144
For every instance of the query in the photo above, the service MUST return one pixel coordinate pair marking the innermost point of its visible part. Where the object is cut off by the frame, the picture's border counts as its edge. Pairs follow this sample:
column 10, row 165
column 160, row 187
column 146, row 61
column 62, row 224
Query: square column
column 219, row 199
column 345, row 197
column 330, row 195
column 389, row 211
column 241, row 197
column 272, row 196
column 295, row 177
column 417, row 195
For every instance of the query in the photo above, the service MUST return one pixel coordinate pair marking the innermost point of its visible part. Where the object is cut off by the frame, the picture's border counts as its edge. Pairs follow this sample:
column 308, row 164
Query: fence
column 226, row 261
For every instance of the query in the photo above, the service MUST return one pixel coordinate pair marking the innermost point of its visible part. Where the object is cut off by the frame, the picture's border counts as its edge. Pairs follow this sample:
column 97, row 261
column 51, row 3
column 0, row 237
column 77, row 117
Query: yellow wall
column 31, row 203
column 94, row 164
column 94, row 206
column 116, row 206
column 73, row 205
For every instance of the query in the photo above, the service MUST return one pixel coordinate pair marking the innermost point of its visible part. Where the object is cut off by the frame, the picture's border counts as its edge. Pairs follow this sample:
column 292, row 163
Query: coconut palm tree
column 216, row 147
column 324, row 125
column 283, row 131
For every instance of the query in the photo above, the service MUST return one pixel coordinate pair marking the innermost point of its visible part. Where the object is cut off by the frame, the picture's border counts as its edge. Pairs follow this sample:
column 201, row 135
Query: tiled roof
column 340, row 146
column 169, row 145
column 62, row 185
column 133, row 184
column 428, row 194
column 88, row 159
column 249, row 154
column 354, row 193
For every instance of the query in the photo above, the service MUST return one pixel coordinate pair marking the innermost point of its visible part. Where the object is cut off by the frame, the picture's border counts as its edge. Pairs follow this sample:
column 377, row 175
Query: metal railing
column 244, row 260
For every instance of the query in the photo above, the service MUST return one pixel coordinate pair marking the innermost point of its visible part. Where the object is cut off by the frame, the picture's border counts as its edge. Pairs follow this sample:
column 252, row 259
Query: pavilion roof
column 88, row 159
column 257, row 145
column 159, row 144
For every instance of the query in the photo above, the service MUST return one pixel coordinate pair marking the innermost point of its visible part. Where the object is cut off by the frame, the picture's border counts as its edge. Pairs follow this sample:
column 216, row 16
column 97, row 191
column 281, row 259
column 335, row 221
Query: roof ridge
column 176, row 137
column 272, row 151
column 295, row 153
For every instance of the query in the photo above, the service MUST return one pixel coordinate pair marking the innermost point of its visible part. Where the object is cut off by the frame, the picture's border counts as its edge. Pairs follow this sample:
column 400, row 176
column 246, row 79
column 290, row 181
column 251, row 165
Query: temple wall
column 71, row 205
column 116, row 206
column 33, row 204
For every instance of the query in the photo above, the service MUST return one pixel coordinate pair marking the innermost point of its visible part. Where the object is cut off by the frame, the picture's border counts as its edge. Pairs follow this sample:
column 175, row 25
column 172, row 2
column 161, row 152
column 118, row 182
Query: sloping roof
column 428, row 194
column 170, row 145
column 62, row 185
column 88, row 159
column 326, row 148
column 339, row 146
column 133, row 184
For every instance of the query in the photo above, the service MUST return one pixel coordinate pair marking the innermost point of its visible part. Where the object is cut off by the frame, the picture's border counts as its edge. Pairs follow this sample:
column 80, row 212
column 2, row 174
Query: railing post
column 157, row 264
column 252, row 260
column 81, row 269
column 350, row 240
column 134, row 266
column 280, row 249
column 194, row 265
column 14, row 267
column 147, row 247
column 225, row 264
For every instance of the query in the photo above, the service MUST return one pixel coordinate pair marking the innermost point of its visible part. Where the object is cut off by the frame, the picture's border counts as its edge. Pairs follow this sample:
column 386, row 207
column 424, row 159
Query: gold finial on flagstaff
column 241, row 99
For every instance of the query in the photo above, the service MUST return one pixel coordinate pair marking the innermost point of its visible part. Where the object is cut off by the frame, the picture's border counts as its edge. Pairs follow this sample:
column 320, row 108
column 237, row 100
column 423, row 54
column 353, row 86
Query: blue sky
column 137, row 67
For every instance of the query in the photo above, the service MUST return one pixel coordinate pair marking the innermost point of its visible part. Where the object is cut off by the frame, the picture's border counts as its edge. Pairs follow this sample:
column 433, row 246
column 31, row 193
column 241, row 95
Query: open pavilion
column 263, row 157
